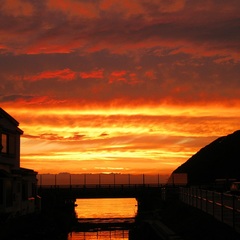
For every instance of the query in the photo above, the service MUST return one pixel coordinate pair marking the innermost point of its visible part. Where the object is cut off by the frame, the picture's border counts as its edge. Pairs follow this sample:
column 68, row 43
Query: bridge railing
column 95, row 186
column 224, row 207
column 97, row 179
column 99, row 191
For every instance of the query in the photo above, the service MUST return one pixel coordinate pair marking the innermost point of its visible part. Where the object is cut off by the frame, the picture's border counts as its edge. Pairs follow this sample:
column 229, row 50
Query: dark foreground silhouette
column 218, row 160
column 185, row 221
column 188, row 223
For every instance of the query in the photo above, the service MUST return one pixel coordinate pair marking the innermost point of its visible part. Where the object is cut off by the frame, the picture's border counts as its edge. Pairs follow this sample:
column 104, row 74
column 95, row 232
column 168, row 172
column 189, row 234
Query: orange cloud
column 119, row 76
column 64, row 75
column 93, row 74
column 22, row 100
column 124, row 77
column 84, row 9
column 17, row 8
column 124, row 85
column 169, row 6
column 123, row 26
column 125, row 7
column 150, row 74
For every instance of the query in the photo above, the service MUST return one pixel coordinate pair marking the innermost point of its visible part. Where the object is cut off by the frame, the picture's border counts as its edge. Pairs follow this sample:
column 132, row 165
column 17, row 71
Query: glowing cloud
column 124, row 86
column 65, row 75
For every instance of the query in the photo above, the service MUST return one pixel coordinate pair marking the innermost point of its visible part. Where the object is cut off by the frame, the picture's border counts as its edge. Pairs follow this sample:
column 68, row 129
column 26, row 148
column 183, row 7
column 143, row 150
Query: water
column 106, row 208
column 100, row 235
column 100, row 214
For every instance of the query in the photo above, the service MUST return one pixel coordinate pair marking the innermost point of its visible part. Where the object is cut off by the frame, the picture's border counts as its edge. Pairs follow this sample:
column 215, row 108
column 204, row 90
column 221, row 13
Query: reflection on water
column 106, row 208
column 104, row 219
column 102, row 235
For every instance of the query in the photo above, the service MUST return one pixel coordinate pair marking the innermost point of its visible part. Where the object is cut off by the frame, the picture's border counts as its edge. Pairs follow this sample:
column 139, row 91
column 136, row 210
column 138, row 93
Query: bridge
column 66, row 188
column 224, row 207
column 98, row 185
column 67, row 179
column 101, row 191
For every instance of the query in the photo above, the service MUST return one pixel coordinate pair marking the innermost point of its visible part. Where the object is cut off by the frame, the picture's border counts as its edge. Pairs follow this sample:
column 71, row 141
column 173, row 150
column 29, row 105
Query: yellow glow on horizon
column 130, row 139
column 151, row 110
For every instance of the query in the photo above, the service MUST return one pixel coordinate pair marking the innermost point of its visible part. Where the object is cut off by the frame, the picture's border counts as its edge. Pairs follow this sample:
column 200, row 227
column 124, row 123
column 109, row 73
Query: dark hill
column 218, row 160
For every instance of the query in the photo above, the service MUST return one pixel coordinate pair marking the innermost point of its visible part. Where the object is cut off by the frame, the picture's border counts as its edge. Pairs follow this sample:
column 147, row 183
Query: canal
column 104, row 218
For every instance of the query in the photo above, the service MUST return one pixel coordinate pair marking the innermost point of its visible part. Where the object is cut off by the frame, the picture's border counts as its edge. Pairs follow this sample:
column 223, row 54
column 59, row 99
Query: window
column 4, row 143
column 11, row 144
column 8, row 143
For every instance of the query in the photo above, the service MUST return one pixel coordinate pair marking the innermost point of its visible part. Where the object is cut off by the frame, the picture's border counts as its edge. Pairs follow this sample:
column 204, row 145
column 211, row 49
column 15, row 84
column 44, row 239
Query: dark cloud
column 161, row 55
column 70, row 26
column 13, row 98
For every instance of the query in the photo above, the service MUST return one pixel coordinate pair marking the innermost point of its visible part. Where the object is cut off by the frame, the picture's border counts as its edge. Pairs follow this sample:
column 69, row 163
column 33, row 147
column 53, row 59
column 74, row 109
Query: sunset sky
column 130, row 86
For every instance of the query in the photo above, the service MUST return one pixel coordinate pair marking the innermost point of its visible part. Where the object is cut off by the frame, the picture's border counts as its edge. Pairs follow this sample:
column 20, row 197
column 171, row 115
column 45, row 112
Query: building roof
column 4, row 114
column 9, row 117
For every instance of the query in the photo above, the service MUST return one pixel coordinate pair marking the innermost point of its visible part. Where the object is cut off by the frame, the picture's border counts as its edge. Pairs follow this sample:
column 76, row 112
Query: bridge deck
column 100, row 191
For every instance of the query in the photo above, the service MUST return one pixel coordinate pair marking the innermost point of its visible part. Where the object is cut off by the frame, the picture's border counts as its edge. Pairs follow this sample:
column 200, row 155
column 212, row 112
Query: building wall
column 10, row 143
column 17, row 185
column 17, row 195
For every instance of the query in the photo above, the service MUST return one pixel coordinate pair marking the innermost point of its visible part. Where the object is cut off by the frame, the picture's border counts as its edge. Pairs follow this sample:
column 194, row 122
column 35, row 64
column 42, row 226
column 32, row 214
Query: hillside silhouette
column 218, row 160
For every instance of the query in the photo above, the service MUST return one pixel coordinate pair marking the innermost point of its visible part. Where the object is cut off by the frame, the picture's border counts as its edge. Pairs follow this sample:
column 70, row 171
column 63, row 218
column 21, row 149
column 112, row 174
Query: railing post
column 192, row 197
column 206, row 201
column 181, row 194
column 233, row 211
column 184, row 194
column 188, row 194
column 201, row 198
column 213, row 202
column 222, row 207
column 192, row 193
column 55, row 180
column 197, row 198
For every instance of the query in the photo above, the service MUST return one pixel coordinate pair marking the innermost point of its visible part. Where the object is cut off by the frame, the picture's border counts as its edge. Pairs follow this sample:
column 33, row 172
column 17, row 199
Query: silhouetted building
column 18, row 194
